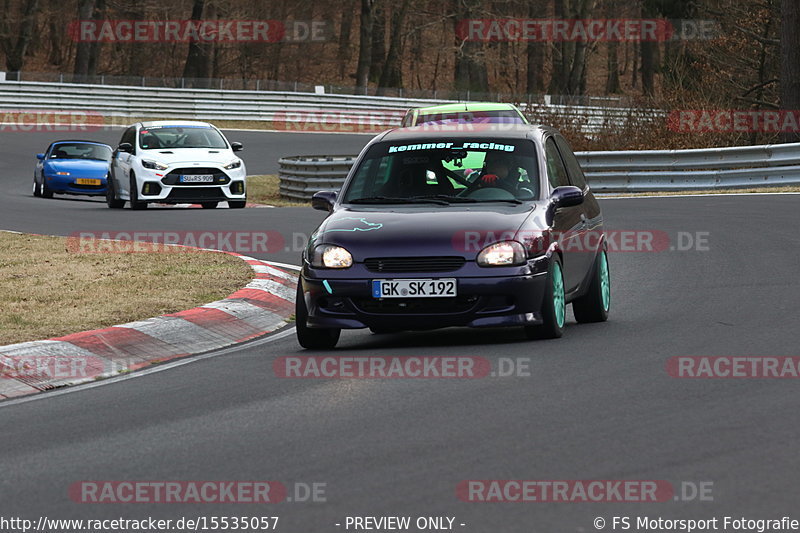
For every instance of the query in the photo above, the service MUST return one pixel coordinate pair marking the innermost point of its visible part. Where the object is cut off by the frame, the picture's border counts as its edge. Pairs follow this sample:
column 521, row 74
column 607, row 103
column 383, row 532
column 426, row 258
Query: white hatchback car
column 176, row 162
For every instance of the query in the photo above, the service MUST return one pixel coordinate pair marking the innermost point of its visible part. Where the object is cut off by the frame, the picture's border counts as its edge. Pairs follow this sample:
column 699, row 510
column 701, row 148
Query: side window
column 556, row 171
column 576, row 175
column 129, row 136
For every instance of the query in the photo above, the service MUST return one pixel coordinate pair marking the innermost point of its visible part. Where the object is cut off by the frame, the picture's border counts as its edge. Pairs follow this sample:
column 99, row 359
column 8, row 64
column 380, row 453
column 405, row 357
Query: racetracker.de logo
column 180, row 31
column 177, row 492
column 21, row 120
column 564, row 491
column 332, row 121
column 243, row 242
column 382, row 367
column 50, row 366
column 733, row 121
column 585, row 30
column 733, row 367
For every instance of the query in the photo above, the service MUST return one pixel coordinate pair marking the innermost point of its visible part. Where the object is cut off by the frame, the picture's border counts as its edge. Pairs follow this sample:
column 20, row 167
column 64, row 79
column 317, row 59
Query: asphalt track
column 598, row 403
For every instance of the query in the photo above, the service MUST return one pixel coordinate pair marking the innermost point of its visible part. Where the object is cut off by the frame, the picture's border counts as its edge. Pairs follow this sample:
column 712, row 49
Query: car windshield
column 500, row 116
column 158, row 137
column 446, row 171
column 81, row 151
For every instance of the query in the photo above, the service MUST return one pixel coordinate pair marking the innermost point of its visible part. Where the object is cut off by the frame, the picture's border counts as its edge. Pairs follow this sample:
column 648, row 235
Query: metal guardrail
column 279, row 110
column 771, row 165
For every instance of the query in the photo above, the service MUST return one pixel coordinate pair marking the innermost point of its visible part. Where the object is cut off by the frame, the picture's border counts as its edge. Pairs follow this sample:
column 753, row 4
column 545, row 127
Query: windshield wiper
column 450, row 199
column 397, row 200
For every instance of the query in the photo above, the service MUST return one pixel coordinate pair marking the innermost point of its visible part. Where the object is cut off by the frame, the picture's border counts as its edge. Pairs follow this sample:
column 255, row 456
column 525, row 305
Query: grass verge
column 264, row 189
column 47, row 291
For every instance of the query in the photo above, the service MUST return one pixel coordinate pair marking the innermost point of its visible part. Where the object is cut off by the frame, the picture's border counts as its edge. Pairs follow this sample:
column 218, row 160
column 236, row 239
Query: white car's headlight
column 505, row 253
column 233, row 164
column 331, row 256
column 153, row 165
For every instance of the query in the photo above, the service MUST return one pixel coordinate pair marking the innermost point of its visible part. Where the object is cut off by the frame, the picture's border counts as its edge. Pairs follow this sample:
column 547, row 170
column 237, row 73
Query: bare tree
column 790, row 61
column 365, row 43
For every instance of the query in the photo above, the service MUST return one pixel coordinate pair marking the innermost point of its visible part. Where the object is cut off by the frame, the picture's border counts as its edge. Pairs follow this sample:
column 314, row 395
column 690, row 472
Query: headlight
column 153, row 165
column 506, row 253
column 330, row 256
column 233, row 164
column 62, row 173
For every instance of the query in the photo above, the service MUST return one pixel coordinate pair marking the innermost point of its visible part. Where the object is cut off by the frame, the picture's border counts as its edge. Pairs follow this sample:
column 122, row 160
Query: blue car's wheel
column 312, row 338
column 595, row 304
column 46, row 191
column 554, row 305
column 37, row 191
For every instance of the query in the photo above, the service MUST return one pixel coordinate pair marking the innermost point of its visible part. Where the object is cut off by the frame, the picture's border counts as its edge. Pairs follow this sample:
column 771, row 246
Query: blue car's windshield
column 78, row 150
column 156, row 137
column 447, row 171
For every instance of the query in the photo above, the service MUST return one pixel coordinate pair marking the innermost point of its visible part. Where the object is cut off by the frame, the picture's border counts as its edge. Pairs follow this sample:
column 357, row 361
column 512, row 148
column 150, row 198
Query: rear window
column 470, row 169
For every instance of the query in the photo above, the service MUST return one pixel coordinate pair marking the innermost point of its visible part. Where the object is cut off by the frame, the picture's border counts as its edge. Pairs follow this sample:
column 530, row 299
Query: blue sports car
column 72, row 167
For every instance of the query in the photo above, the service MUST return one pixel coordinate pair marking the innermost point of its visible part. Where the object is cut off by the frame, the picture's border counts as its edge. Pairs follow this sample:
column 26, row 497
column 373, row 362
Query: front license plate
column 87, row 181
column 197, row 178
column 414, row 288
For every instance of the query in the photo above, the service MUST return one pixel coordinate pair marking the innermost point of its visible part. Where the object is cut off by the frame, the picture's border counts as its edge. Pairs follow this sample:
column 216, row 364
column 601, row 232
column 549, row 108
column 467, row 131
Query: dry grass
column 47, row 291
column 264, row 190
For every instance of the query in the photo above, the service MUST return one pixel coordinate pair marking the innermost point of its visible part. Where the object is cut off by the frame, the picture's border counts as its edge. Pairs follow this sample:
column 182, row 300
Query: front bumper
column 161, row 187
column 67, row 185
column 506, row 299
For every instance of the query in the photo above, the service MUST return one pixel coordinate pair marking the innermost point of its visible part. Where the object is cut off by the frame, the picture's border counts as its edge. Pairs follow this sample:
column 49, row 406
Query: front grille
column 417, row 306
column 414, row 264
column 196, row 194
column 220, row 178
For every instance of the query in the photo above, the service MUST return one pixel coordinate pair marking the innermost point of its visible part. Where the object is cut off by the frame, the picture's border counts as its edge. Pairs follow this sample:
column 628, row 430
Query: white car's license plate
column 414, row 288
column 197, row 178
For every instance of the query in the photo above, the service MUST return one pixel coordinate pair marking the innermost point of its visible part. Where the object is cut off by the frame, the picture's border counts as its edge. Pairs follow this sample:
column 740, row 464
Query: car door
column 567, row 221
column 590, row 209
column 121, row 161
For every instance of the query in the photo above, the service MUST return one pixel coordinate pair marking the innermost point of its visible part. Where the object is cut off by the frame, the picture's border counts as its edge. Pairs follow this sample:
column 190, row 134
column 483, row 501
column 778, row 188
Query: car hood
column 419, row 231
column 177, row 156
column 84, row 168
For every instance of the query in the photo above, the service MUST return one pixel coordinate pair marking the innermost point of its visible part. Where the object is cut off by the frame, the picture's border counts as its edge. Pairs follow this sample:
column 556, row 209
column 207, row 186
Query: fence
column 630, row 171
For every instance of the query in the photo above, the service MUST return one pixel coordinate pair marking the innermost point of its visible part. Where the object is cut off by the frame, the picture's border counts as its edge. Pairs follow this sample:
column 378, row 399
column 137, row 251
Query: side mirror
column 40, row 157
column 566, row 196
column 324, row 200
column 125, row 147
column 237, row 147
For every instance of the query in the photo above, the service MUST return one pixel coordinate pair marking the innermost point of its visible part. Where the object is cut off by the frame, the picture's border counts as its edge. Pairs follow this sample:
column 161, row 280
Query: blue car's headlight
column 331, row 256
column 153, row 165
column 505, row 253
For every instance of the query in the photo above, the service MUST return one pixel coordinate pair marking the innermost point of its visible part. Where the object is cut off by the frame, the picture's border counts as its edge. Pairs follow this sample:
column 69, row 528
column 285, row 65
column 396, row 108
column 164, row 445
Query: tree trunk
column 534, row 83
column 200, row 60
column 392, row 75
column 790, row 61
column 83, row 48
column 470, row 66
column 15, row 56
column 378, row 52
column 346, row 27
column 365, row 44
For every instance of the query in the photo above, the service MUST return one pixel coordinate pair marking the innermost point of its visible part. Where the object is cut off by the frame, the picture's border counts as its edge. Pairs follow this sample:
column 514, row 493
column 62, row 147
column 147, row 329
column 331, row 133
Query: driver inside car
column 499, row 170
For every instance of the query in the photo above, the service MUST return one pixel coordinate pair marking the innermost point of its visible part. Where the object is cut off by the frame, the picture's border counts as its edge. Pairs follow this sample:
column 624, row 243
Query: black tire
column 37, row 191
column 237, row 204
column 134, row 201
column 553, row 320
column 595, row 304
column 209, row 205
column 46, row 191
column 312, row 338
column 111, row 195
